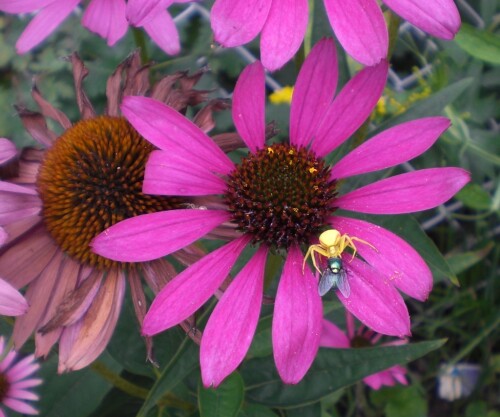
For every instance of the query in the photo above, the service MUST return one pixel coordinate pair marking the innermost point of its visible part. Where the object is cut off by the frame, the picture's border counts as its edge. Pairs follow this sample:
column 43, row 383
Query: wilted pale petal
column 161, row 28
column 236, row 22
column 283, row 32
column 249, row 102
column 169, row 130
column 296, row 328
column 406, row 193
column 332, row 336
column 360, row 28
column 151, row 236
column 314, row 91
column 176, row 174
column 391, row 147
column 374, row 300
column 440, row 18
column 350, row 108
column 7, row 150
column 107, row 19
column 392, row 257
column 44, row 23
column 189, row 290
column 12, row 303
column 231, row 326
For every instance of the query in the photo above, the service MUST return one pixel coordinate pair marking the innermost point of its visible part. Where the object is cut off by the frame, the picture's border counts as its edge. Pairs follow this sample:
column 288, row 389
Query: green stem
column 140, row 42
column 119, row 382
column 393, row 28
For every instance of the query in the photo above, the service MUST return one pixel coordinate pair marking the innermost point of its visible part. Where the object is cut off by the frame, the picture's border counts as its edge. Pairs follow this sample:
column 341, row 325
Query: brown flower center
column 281, row 195
column 4, row 386
column 360, row 342
column 90, row 179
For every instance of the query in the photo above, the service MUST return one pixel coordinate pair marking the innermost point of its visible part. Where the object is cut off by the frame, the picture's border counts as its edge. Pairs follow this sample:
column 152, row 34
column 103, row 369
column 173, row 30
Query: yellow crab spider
column 331, row 245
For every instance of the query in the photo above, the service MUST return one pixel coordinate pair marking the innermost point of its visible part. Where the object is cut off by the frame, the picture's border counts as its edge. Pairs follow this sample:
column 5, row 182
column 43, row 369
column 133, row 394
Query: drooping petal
column 151, row 236
column 332, row 336
column 140, row 12
column 406, row 193
column 3, row 236
column 374, row 301
column 177, row 174
column 283, row 32
column 17, row 202
column 7, row 150
column 107, row 19
column 236, row 22
column 22, row 6
column 169, row 130
column 44, row 23
column 231, row 327
column 12, row 303
column 314, row 91
column 441, row 18
column 189, row 290
column 391, row 147
column 249, row 106
column 297, row 320
column 360, row 28
column 20, row 406
column 392, row 257
column 161, row 28
column 350, row 108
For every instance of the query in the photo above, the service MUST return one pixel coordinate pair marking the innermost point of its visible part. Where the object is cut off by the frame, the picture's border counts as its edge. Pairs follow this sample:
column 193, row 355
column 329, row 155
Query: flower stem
column 140, row 41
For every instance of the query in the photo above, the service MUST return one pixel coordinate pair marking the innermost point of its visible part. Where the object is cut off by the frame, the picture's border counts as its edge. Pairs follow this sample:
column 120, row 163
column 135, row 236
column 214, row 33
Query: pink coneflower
column 15, row 380
column 107, row 18
column 64, row 195
column 282, row 196
column 7, row 150
column 333, row 337
column 12, row 303
column 358, row 24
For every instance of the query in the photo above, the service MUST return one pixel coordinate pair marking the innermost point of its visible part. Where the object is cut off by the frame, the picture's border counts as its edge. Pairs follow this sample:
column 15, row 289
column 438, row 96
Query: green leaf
column 479, row 43
column 475, row 197
column 179, row 366
column 463, row 261
column 401, row 401
column 332, row 369
column 75, row 394
column 256, row 410
column 225, row 400
column 431, row 106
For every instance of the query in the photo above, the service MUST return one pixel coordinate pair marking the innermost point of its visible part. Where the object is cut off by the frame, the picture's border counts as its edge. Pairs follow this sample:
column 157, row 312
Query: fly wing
column 343, row 284
column 327, row 281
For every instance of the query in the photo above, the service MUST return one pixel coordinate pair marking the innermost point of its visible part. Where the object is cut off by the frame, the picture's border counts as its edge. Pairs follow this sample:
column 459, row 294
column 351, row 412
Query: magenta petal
column 107, row 19
column 7, row 150
column 174, row 174
column 236, row 22
column 231, row 327
column 189, row 290
column 169, row 130
column 17, row 202
column 249, row 106
column 441, row 18
column 391, row 147
column 350, row 108
column 297, row 319
column 333, row 337
column 392, row 257
column 374, row 301
column 12, row 303
column 44, row 23
column 360, row 28
column 406, row 193
column 314, row 91
column 22, row 6
column 162, row 29
column 140, row 12
column 283, row 32
column 151, row 236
